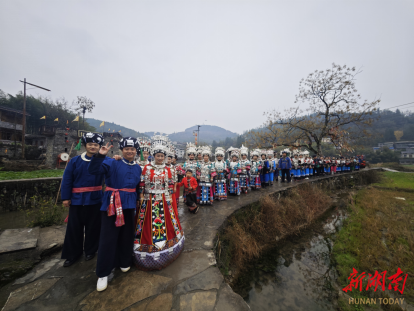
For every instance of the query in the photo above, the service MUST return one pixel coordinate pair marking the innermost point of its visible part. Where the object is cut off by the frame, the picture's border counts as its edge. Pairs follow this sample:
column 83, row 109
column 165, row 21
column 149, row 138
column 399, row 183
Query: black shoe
column 68, row 262
column 89, row 257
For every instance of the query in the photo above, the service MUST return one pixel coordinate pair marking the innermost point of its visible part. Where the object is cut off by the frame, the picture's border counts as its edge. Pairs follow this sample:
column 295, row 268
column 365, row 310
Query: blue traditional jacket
column 285, row 163
column 118, row 175
column 76, row 175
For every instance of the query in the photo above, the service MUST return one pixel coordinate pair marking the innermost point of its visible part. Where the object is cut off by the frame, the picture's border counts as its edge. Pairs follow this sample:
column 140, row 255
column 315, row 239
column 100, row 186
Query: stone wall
column 7, row 150
column 59, row 143
column 62, row 141
column 26, row 193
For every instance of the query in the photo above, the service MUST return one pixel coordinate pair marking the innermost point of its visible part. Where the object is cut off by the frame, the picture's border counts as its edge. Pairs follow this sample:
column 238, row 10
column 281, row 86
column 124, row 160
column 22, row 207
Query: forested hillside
column 383, row 129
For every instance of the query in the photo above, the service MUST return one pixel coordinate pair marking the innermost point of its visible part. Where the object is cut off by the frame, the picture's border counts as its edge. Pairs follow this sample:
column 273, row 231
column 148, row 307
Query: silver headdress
column 263, row 152
column 206, row 150
column 160, row 144
column 255, row 152
column 269, row 152
column 219, row 152
column 171, row 151
column 235, row 152
column 145, row 143
column 244, row 150
column 191, row 149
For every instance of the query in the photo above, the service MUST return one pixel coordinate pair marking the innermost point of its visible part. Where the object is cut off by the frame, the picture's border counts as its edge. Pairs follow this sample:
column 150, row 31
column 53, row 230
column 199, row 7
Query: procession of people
column 125, row 208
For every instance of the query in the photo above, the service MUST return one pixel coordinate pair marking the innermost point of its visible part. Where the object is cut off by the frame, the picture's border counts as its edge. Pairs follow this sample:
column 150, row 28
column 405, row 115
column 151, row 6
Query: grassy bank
column 379, row 236
column 30, row 175
column 257, row 228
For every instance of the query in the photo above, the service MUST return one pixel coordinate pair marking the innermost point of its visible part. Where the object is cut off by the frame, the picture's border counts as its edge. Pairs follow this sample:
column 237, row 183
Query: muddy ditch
column 276, row 253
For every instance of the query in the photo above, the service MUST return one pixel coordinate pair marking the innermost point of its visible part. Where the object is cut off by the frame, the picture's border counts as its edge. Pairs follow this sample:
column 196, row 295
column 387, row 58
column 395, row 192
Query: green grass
column 378, row 235
column 30, row 175
column 397, row 180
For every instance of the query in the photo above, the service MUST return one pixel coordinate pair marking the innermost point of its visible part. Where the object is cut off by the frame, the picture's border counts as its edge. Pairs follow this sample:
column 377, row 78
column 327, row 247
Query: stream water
column 299, row 274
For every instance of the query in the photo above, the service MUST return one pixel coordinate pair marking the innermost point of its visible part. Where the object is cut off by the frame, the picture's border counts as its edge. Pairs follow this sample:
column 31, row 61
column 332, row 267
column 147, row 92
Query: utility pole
column 84, row 110
column 24, row 112
column 198, row 134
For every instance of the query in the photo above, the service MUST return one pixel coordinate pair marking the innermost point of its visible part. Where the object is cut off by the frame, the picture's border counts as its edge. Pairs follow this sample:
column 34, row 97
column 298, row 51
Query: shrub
column 46, row 214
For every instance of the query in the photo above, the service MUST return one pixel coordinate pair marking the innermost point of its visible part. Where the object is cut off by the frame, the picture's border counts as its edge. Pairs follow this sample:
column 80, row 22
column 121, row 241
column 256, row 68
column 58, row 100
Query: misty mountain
column 112, row 127
column 208, row 133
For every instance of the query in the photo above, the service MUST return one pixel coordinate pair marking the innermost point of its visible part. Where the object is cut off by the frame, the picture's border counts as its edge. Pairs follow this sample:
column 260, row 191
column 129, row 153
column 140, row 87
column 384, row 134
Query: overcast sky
column 166, row 65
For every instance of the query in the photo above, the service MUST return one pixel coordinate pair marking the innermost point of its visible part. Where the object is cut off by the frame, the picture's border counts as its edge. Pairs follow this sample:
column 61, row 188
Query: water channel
column 299, row 274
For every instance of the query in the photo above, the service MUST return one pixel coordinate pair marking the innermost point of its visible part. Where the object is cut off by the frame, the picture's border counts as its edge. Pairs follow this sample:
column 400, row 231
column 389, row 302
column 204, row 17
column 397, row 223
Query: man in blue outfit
column 285, row 166
column 119, row 203
column 82, row 194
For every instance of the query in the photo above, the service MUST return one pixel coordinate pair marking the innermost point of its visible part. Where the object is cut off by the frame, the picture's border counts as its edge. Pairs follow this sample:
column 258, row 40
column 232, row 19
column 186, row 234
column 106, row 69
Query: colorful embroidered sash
column 117, row 207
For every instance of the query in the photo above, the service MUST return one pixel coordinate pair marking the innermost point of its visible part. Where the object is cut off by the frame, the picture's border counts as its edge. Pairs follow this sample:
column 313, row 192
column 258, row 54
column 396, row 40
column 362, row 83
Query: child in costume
column 205, row 185
column 218, row 174
column 255, row 169
column 244, row 176
column 190, row 188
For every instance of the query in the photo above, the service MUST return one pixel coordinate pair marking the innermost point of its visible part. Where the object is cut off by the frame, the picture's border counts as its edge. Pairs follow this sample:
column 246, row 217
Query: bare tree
column 84, row 104
column 334, row 113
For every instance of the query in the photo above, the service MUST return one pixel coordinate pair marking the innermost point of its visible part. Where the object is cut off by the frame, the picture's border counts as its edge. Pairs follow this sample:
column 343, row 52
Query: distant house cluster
column 405, row 147
column 180, row 149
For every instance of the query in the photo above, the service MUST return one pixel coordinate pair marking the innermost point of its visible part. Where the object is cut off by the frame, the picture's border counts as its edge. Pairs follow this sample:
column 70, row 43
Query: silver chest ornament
column 219, row 165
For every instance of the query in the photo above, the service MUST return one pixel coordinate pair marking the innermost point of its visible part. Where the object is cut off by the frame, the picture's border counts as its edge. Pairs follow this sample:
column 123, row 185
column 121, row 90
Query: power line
column 399, row 105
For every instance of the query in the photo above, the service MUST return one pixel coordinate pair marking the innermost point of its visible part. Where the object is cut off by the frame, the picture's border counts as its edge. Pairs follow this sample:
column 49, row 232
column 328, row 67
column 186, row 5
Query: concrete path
column 192, row 282
column 395, row 171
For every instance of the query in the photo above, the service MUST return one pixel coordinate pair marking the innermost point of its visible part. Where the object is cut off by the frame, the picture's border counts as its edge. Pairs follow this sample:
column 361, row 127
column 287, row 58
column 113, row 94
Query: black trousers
column 285, row 173
column 191, row 199
column 116, row 244
column 82, row 231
